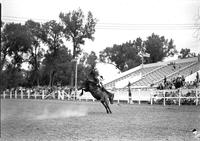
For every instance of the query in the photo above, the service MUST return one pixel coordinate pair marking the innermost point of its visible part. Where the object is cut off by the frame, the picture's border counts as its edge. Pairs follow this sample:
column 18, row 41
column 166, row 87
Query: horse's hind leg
column 105, row 107
column 109, row 109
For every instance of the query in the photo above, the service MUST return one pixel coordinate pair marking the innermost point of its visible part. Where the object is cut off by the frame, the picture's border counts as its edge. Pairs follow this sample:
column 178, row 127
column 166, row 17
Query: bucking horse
column 98, row 93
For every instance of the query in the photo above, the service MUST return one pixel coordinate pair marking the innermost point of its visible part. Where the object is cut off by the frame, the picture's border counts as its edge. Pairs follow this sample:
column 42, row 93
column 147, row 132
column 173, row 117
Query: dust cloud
column 63, row 112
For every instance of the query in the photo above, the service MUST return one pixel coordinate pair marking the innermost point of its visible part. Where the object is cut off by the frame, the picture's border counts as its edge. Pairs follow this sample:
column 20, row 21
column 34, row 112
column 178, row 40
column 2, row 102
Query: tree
column 15, row 43
column 57, row 66
column 185, row 53
column 124, row 56
column 128, row 55
column 12, row 77
column 86, row 63
column 158, row 48
column 53, row 40
column 35, row 52
column 77, row 29
column 91, row 59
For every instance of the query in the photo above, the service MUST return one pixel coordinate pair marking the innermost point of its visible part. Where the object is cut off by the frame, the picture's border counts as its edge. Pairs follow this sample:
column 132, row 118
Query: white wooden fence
column 36, row 94
column 121, row 95
column 176, row 95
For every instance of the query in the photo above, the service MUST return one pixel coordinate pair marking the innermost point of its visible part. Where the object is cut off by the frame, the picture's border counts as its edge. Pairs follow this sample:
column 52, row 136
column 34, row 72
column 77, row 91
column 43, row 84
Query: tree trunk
column 53, row 78
column 73, row 64
column 50, row 78
column 38, row 79
column 72, row 78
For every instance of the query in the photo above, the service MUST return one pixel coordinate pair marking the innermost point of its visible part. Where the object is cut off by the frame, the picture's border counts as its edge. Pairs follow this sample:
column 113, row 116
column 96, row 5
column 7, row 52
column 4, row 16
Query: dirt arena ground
column 52, row 120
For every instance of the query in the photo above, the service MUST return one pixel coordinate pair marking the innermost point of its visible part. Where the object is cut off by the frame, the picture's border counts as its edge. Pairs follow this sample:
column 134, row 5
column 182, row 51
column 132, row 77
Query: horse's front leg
column 81, row 92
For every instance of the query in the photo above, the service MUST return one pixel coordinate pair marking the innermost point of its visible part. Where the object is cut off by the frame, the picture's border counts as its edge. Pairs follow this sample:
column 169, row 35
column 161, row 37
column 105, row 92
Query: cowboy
column 93, row 75
column 100, row 83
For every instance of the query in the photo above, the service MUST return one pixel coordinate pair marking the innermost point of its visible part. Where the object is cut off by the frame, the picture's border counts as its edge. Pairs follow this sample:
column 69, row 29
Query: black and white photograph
column 100, row 70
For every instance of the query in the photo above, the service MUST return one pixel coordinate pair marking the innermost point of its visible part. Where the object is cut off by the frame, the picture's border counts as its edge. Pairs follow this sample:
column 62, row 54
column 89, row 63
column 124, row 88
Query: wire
column 118, row 26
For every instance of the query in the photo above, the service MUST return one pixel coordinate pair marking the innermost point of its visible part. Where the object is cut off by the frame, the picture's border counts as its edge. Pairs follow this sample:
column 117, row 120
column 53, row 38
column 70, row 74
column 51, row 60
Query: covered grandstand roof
column 154, row 73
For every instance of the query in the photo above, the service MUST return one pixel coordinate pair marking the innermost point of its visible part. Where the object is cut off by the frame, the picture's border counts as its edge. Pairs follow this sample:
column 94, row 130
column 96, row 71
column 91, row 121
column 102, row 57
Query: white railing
column 137, row 95
column 175, row 96
column 36, row 94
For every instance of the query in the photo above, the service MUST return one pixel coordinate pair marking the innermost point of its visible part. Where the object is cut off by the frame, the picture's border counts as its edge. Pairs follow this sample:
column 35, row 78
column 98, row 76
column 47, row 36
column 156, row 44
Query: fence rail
column 152, row 96
column 188, row 95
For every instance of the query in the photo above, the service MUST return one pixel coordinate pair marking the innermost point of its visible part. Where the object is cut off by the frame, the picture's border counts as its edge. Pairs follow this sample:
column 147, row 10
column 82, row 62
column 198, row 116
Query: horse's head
column 87, row 85
column 111, row 98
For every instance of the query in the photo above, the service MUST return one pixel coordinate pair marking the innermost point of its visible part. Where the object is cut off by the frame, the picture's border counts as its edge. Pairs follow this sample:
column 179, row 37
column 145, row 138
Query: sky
column 119, row 21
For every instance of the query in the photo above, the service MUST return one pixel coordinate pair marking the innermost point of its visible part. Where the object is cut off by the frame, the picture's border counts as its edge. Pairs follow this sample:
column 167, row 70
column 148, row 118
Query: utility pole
column 142, row 59
column 141, row 53
column 76, row 72
column 76, row 69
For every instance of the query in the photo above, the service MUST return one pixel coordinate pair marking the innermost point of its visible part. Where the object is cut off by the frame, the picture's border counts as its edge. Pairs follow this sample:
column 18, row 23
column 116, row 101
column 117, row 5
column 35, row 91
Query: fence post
column 21, row 94
column 53, row 94
column 28, row 94
column 139, row 96
column 59, row 95
column 179, row 97
column 4, row 94
column 10, row 94
column 164, row 98
column 197, row 100
column 151, row 97
column 42, row 94
column 15, row 94
column 35, row 95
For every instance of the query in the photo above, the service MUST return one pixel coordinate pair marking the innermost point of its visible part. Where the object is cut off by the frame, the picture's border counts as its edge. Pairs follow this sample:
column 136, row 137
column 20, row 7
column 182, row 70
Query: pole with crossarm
column 143, row 54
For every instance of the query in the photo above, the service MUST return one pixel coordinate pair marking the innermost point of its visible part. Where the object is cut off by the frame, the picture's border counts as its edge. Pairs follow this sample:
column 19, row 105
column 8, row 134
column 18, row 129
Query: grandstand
column 148, row 75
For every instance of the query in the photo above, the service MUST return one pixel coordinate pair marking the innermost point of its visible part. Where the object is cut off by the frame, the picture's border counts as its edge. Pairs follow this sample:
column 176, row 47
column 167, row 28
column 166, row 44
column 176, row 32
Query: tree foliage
column 35, row 52
column 128, row 55
column 42, row 47
column 57, row 66
column 56, row 49
column 15, row 43
column 159, row 47
column 185, row 53
column 124, row 56
column 77, row 29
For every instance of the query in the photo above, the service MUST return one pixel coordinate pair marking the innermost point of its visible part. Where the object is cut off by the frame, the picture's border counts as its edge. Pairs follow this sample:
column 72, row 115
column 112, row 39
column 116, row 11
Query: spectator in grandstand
column 197, row 77
column 168, row 85
column 160, row 86
column 174, row 66
column 183, row 80
column 165, row 80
